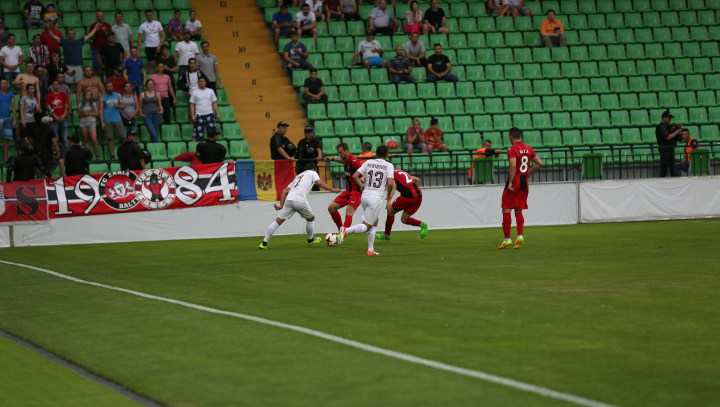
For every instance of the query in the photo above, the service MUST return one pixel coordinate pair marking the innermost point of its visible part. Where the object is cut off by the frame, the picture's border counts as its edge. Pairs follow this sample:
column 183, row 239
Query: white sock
column 309, row 229
column 361, row 228
column 273, row 227
column 371, row 239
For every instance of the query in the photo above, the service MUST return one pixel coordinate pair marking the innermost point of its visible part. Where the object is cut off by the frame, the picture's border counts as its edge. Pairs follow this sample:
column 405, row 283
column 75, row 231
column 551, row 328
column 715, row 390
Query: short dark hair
column 313, row 69
column 55, row 80
column 204, row 42
column 49, row 4
column 550, row 11
column 148, row 11
column 118, row 12
column 515, row 133
column 133, row 47
column 192, row 59
column 11, row 35
column 685, row 130
column 344, row 146
column 110, row 34
column 311, row 166
column 164, row 46
column 381, row 151
column 27, row 87
column 367, row 146
column 36, row 35
column 305, row 5
column 437, row 45
column 284, row 6
column 487, row 141
column 3, row 79
column 434, row 121
column 176, row 11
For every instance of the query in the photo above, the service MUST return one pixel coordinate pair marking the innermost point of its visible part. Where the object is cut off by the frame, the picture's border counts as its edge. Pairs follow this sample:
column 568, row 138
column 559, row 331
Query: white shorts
column 372, row 205
column 76, row 76
column 301, row 207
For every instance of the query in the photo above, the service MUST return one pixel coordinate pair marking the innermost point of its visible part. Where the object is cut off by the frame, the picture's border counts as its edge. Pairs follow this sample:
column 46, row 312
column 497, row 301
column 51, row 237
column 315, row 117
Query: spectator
column 63, row 87
column 88, row 112
column 371, row 52
column 382, row 20
column 499, row 7
column 135, row 70
column 690, row 145
column 46, row 144
column 28, row 107
column 413, row 19
column 111, row 56
column 435, row 21
column 41, row 74
column 102, row 29
column 333, row 10
column 169, row 61
column 415, row 139
column 667, row 138
column 434, row 138
column 151, row 109
column 305, row 22
column 316, row 8
column 175, row 27
column 164, row 88
column 47, row 40
column 185, row 50
column 309, row 150
column 27, row 78
column 281, row 148
column 552, row 31
column 131, row 108
column 56, row 67
column 517, row 8
column 366, row 154
column 400, row 67
column 38, row 52
column 211, row 151
column 91, row 83
column 294, row 53
column 3, row 37
column 190, row 157
column 439, row 67
column 123, row 34
column 11, row 57
column 57, row 103
column 73, row 53
column 349, row 10
column 131, row 155
column 74, row 159
column 189, row 83
column 282, row 23
column 154, row 37
column 415, row 51
column 33, row 14
column 203, row 103
column 208, row 64
column 110, row 121
column 7, row 101
column 51, row 14
column 118, row 79
column 483, row 152
column 314, row 89
column 194, row 26
column 23, row 166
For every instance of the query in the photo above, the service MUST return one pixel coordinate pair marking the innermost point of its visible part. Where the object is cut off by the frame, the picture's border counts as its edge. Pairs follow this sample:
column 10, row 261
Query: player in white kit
column 294, row 199
column 378, row 176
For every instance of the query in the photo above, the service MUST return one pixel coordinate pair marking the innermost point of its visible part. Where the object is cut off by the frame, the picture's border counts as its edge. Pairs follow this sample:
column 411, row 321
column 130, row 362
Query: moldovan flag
column 263, row 180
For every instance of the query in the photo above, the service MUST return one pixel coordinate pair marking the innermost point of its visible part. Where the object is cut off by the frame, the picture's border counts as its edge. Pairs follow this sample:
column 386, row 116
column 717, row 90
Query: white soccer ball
column 331, row 239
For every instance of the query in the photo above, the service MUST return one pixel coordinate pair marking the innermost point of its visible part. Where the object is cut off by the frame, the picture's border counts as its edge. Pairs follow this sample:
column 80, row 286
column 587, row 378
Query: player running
column 350, row 198
column 378, row 175
column 515, row 195
column 294, row 199
column 408, row 203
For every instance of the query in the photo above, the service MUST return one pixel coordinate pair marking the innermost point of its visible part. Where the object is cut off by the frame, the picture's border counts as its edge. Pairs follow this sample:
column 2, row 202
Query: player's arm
column 538, row 164
column 282, row 199
column 513, row 170
column 416, row 179
column 326, row 186
column 356, row 178
column 392, row 187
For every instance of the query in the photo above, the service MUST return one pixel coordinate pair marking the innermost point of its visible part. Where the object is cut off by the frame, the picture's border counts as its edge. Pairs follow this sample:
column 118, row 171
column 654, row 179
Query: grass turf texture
column 626, row 314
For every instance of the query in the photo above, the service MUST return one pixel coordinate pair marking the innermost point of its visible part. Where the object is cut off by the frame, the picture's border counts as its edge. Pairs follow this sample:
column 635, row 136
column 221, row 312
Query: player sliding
column 294, row 199
column 515, row 195
column 408, row 203
column 350, row 198
column 378, row 174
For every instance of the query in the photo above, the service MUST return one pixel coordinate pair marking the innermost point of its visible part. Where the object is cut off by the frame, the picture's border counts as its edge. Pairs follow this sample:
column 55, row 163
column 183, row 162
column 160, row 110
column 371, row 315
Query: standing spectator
column 203, row 103
column 27, row 78
column 517, row 8
column 91, row 83
column 131, row 108
column 11, row 57
column 316, row 8
column 189, row 83
column 314, row 89
column 185, row 50
column 169, row 61
column 211, row 152
column 382, row 20
column 309, row 150
column 281, row 148
column 175, row 27
column 74, row 159
column 497, row 7
column 28, row 107
column 400, row 67
column 38, row 52
column 46, row 144
column 41, row 74
column 7, row 101
column 101, row 29
column 439, row 67
column 333, row 11
column 435, row 21
column 131, row 155
column 56, row 67
column 690, row 145
column 151, row 109
column 371, row 52
column 33, row 14
column 305, row 22
column 164, row 88
column 415, row 51
column 118, row 79
column 154, row 37
column 63, row 87
column 88, row 112
column 73, row 53
column 413, row 19
column 552, row 31
column 415, row 139
column 51, row 14
column 123, row 34
column 47, row 40
column 282, row 23
column 294, row 54
column 667, row 140
column 113, row 56
column 135, row 70
column 110, row 121
column 208, row 64
column 434, row 138
column 194, row 26
column 3, row 37
column 24, row 165
column 58, row 104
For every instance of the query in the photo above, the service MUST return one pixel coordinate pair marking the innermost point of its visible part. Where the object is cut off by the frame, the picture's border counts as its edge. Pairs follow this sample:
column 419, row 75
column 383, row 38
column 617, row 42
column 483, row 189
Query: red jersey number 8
column 524, row 164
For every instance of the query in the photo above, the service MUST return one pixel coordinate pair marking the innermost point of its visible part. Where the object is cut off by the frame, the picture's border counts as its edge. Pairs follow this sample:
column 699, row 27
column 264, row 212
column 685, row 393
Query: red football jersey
column 523, row 154
column 406, row 185
column 351, row 166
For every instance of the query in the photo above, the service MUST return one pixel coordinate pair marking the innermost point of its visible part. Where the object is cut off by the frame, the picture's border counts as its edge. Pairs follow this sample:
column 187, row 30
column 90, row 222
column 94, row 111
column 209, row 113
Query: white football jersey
column 376, row 174
column 301, row 186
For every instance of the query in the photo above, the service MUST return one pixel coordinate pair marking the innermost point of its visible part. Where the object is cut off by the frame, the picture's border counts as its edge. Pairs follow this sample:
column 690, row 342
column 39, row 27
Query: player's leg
column 303, row 208
column 271, row 230
column 506, row 224
column 406, row 219
column 388, row 224
column 349, row 213
column 334, row 214
column 371, row 238
column 520, row 220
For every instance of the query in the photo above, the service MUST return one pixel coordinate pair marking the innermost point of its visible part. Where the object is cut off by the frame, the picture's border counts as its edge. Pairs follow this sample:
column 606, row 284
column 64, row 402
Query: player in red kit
column 408, row 203
column 515, row 194
column 351, row 197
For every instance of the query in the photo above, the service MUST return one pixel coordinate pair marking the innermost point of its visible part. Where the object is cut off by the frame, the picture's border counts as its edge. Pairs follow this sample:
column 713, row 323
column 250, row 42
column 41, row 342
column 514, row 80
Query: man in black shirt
column 434, row 20
column 309, row 150
column 211, row 151
column 667, row 140
column 114, row 56
column 24, row 164
column 314, row 89
column 439, row 67
column 281, row 148
column 130, row 154
column 74, row 160
column 169, row 61
column 46, row 143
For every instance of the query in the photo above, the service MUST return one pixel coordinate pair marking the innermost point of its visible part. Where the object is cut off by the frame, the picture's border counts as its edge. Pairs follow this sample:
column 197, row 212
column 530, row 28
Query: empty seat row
column 624, row 6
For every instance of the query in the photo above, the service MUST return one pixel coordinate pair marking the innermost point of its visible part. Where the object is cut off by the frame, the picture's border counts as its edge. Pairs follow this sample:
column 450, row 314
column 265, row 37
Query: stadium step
column 270, row 115
column 240, row 82
column 265, row 124
column 256, row 100
column 245, row 73
column 259, row 90
column 269, row 107
column 232, row 47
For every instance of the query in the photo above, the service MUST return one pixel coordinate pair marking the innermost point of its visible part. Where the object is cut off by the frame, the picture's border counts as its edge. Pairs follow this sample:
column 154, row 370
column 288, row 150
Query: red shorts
column 351, row 198
column 435, row 146
column 409, row 205
column 514, row 200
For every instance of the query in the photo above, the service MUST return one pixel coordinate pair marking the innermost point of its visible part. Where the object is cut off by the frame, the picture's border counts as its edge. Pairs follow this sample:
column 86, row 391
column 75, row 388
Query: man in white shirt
column 194, row 26
column 11, row 58
column 185, row 50
column 371, row 51
column 294, row 200
column 305, row 22
column 378, row 176
column 154, row 37
column 203, row 103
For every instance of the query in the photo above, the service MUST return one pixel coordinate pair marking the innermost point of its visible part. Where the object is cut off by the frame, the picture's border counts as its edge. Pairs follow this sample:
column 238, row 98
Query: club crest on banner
column 155, row 188
column 264, row 181
column 118, row 190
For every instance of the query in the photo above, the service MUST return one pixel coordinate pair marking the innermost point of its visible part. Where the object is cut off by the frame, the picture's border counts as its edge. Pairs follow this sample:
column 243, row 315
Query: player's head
column 515, row 135
column 311, row 167
column 343, row 151
column 367, row 147
column 381, row 151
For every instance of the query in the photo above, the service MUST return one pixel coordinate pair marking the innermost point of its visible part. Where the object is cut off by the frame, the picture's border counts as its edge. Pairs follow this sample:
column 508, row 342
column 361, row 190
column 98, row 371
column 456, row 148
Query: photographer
column 667, row 138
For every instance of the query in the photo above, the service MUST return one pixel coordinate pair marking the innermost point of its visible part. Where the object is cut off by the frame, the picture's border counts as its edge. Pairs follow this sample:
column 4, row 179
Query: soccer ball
column 331, row 239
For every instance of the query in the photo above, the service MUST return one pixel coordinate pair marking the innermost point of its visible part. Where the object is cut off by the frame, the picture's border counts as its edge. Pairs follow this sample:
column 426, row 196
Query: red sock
column 348, row 221
column 336, row 218
column 520, row 219
column 507, row 223
column 388, row 224
column 414, row 222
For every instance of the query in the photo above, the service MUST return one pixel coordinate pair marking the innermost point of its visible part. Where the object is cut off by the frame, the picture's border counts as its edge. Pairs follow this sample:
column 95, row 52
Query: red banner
column 145, row 190
column 23, row 202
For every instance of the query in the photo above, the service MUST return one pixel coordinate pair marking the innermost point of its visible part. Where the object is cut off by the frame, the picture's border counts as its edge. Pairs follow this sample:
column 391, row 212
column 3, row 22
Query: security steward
column 281, row 148
column 690, row 145
column 309, row 150
column 667, row 137
column 483, row 152
column 130, row 154
column 24, row 164
column 211, row 151
column 74, row 159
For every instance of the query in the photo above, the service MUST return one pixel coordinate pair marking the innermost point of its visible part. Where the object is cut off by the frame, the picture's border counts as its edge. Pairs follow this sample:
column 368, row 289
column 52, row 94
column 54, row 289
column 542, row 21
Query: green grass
column 626, row 314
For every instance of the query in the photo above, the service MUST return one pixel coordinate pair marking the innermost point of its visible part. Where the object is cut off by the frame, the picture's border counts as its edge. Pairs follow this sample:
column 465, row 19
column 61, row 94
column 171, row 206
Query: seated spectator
column 305, row 22
column 194, row 26
column 367, row 153
column 439, row 67
column 281, row 148
column 415, row 51
column 175, row 27
column 37, row 52
column 433, row 138
column 51, row 14
column 499, row 7
column 294, row 53
column 483, row 152
column 415, row 139
column 413, row 19
column 371, row 52
column 316, row 8
column 314, row 89
column 333, row 11
column 382, row 20
column 400, row 67
column 282, row 23
column 517, row 8
column 434, row 20
column 690, row 145
column 74, row 159
column 552, row 31
column 349, row 10
column 33, row 13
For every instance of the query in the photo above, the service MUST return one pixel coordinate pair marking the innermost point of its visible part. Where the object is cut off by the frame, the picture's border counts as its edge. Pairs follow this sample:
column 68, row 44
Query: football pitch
column 623, row 314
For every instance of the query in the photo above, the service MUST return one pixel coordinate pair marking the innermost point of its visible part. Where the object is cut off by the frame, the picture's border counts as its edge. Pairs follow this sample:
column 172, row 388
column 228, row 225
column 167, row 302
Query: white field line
column 542, row 391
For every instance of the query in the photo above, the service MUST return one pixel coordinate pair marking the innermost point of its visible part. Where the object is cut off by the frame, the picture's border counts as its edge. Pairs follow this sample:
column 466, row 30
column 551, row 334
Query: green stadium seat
column 686, row 99
column 706, row 98
column 453, row 141
column 598, row 53
column 639, row 118
column 494, row 72
column 504, row 88
column 474, row 106
column 579, row 54
column 532, row 138
column 494, row 105
column 704, row 17
column 472, row 141
column 523, row 88
column 345, row 44
column 476, row 40
column 709, row 133
column 384, row 92
column 513, row 105
column 458, row 41
column 504, row 24
column 482, row 123
column 347, row 93
column 376, row 109
column 590, row 102
column 606, row 37
column 324, row 129
column 620, row 118
column 502, row 122
column 572, row 138
column 532, row 104
column 579, row 22
column 484, row 89
column 157, row 150
column 541, row 121
column 664, row 67
column 336, row 111
column 364, row 127
column 462, row 123
column 495, row 40
column 592, row 137
column 317, row 112
column 645, row 68
column 484, row 24
column 552, row 104
column 344, row 128
column 569, row 7
column 543, row 87
column 356, row 110
column 601, row 119
column 631, row 136
column 415, row 108
column 571, row 103
column 375, row 142
column 396, row 108
column 445, row 90
column 531, row 39
column 714, row 33
column 581, row 120
column 698, row 115
column 676, row 82
column 696, row 34
column 231, row 131
column 454, row 107
column 239, row 149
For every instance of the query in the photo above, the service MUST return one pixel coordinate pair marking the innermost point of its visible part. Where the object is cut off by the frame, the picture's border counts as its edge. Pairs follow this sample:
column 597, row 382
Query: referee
column 667, row 140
